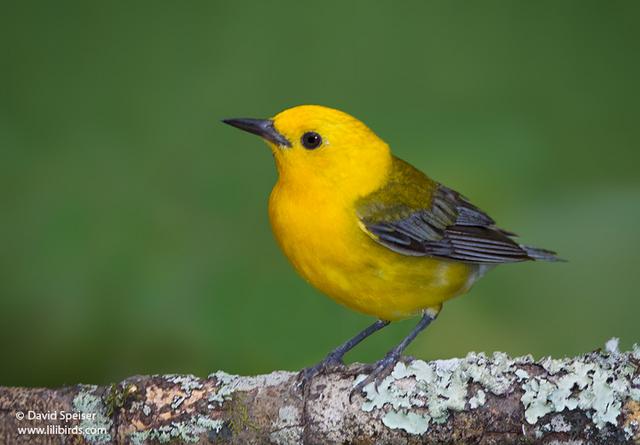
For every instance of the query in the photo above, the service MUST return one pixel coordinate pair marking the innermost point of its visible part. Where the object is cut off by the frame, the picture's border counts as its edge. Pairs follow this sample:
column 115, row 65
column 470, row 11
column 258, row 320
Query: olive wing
column 446, row 226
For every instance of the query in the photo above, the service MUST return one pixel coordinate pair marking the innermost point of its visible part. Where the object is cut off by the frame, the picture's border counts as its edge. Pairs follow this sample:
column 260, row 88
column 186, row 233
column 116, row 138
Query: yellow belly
column 325, row 244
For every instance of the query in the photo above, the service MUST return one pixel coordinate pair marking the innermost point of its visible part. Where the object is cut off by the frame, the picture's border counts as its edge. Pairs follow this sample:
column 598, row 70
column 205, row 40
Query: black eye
column 311, row 140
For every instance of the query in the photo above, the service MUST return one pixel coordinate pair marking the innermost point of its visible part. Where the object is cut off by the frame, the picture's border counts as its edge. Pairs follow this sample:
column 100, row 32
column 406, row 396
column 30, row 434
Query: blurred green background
column 135, row 236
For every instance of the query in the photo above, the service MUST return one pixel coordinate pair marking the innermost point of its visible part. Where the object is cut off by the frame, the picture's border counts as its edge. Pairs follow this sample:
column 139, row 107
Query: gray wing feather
column 455, row 229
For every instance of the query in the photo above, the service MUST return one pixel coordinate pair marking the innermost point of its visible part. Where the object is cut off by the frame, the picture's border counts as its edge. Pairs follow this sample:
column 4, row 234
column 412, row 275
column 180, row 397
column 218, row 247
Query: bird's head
column 315, row 145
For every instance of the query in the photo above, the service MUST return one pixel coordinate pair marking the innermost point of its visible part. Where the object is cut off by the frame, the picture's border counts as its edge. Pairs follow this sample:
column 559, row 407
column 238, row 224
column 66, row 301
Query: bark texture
column 594, row 398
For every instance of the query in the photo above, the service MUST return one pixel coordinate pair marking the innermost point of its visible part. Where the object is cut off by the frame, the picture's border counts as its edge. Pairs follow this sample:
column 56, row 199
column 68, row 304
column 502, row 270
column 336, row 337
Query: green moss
column 239, row 419
column 117, row 396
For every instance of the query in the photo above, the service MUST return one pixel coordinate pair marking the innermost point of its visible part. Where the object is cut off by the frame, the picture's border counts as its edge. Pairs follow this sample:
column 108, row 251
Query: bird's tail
column 541, row 254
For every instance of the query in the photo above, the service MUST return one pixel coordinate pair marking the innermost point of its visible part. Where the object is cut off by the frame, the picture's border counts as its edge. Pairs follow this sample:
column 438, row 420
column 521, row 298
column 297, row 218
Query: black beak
column 262, row 127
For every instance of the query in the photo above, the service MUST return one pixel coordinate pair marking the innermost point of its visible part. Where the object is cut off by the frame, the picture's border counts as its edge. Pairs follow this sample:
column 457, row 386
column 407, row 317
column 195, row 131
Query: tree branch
column 592, row 399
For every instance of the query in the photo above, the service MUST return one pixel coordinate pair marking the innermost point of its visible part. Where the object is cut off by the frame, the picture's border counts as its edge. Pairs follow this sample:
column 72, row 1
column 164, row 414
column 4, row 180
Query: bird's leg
column 384, row 367
column 334, row 358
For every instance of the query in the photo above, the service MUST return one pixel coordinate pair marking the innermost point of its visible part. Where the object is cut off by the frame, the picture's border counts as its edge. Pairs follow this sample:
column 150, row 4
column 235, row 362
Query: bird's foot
column 377, row 372
column 331, row 363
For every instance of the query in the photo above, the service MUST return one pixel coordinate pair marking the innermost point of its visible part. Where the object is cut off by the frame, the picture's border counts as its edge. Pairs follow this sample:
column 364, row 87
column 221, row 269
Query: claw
column 329, row 364
column 378, row 373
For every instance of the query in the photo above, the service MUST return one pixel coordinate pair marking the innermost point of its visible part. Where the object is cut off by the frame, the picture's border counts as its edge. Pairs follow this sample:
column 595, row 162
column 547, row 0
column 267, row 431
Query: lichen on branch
column 478, row 399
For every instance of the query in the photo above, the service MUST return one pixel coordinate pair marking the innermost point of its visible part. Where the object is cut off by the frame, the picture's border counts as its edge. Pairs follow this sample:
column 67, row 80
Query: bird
column 371, row 231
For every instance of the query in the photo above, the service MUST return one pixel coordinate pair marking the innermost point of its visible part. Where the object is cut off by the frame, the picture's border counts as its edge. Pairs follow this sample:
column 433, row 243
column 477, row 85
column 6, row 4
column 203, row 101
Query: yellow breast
column 321, row 236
